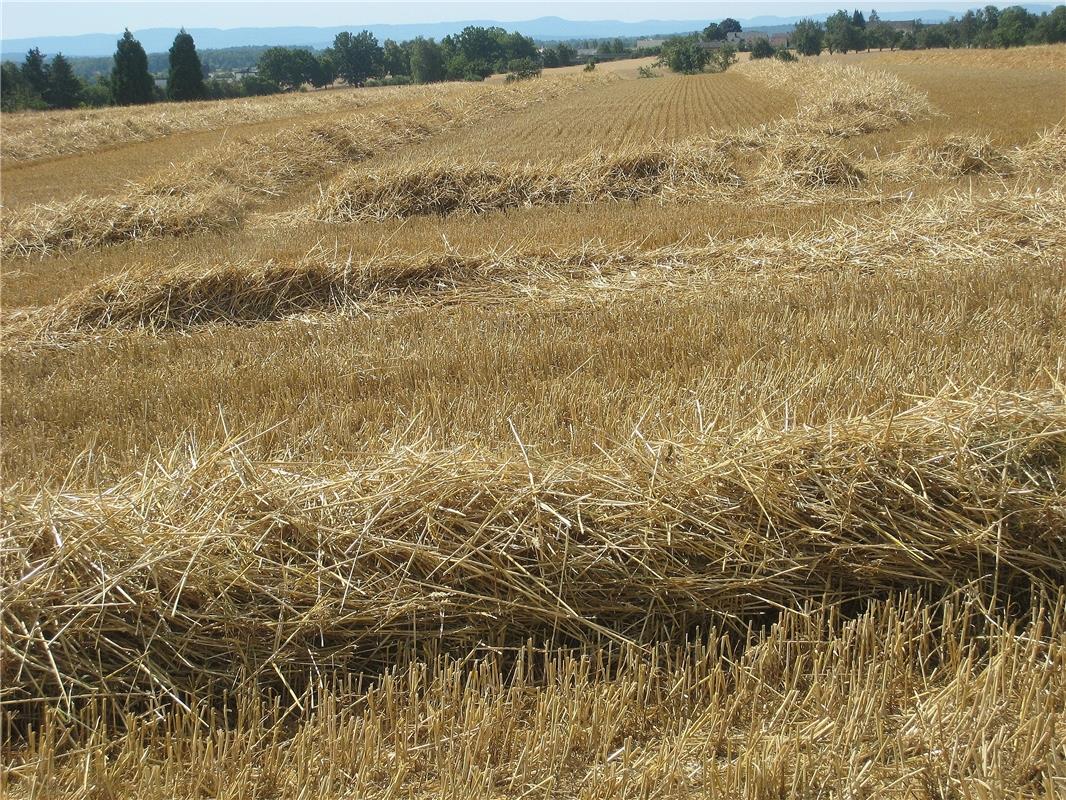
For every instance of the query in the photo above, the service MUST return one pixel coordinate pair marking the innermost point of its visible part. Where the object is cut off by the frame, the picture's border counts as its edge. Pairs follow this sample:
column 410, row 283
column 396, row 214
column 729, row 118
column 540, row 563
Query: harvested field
column 489, row 552
column 947, row 231
column 35, row 135
column 212, row 189
column 1024, row 59
column 588, row 437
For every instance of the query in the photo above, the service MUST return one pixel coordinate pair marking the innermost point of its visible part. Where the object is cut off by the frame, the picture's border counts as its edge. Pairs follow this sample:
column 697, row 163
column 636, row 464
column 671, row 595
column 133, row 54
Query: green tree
column 684, row 54
column 522, row 68
column 185, row 81
column 291, row 68
column 934, row 36
column 396, row 60
column 427, row 61
column 722, row 58
column 35, row 72
column 550, row 57
column 712, row 33
column 518, row 47
column 1014, row 26
column 17, row 93
column 808, row 37
column 842, row 34
column 280, row 65
column 97, row 93
column 64, row 90
column 567, row 55
column 1051, row 27
column 324, row 72
column 729, row 25
column 357, row 57
column 762, row 49
column 131, row 84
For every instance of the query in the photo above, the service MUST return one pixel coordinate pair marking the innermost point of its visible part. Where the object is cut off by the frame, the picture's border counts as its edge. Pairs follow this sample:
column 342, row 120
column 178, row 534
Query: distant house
column 586, row 52
column 650, row 44
column 161, row 83
column 733, row 39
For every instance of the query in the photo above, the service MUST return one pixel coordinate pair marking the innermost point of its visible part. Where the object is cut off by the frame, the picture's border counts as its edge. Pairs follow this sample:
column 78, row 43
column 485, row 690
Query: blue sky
column 25, row 19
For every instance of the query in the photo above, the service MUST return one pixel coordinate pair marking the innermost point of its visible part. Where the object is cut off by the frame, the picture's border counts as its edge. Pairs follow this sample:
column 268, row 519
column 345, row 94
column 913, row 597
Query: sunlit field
column 589, row 436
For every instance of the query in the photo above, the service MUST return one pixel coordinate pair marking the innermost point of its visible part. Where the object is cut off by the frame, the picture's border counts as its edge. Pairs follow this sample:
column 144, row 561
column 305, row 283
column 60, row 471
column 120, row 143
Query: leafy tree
column 480, row 49
column 185, row 81
column 933, row 36
column 712, row 33
column 517, row 46
column 684, row 54
column 131, row 84
column 808, row 37
column 1051, row 27
column 729, row 25
column 291, row 68
column 396, row 60
column 17, row 93
column 427, row 61
column 567, row 55
column 324, row 72
column 257, row 85
column 762, row 49
column 1014, row 26
column 722, row 58
column 64, row 89
column 842, row 34
column 97, row 93
column 550, row 57
column 357, row 57
column 280, row 65
column 35, row 72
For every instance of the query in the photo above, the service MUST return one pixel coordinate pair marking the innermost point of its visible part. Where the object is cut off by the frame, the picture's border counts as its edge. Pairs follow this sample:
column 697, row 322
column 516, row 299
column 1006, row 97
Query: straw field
column 591, row 437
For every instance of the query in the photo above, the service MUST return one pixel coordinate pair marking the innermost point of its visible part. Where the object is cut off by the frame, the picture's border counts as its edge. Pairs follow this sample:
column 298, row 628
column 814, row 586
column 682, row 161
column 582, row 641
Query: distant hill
column 158, row 40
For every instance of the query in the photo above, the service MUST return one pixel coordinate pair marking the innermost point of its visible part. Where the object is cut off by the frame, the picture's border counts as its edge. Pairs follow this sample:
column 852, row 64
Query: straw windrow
column 238, row 568
column 945, row 233
column 215, row 189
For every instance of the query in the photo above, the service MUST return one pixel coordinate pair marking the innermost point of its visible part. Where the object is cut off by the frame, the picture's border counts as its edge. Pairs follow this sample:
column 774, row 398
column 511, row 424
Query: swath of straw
column 946, row 233
column 212, row 568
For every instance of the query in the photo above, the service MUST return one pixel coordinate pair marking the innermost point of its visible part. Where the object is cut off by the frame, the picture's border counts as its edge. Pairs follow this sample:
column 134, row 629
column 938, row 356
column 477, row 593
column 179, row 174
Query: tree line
column 40, row 84
column 472, row 54
column 989, row 27
column 477, row 52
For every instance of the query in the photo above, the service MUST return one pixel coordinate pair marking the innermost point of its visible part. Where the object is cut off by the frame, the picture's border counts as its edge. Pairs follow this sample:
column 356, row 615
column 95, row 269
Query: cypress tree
column 186, row 78
column 34, row 71
column 64, row 88
column 130, row 82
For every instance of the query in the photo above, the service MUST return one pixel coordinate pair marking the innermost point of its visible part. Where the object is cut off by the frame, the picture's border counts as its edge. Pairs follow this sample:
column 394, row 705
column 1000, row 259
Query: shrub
column 647, row 72
column 785, row 55
column 762, row 49
column 591, row 65
column 522, row 68
column 722, row 59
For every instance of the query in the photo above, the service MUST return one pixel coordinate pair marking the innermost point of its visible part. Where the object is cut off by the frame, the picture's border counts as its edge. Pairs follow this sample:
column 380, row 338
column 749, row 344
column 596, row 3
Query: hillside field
column 589, row 436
